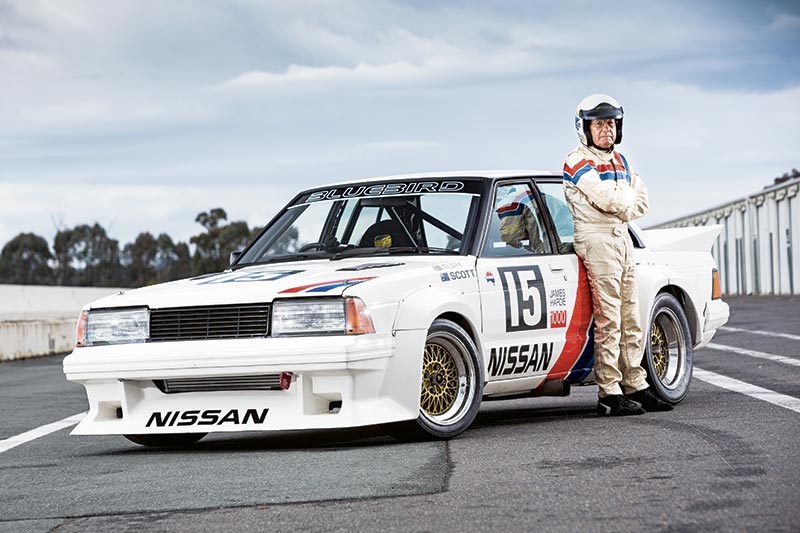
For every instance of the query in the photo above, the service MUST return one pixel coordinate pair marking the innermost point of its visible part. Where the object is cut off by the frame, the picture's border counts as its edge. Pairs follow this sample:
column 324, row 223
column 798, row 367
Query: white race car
column 403, row 301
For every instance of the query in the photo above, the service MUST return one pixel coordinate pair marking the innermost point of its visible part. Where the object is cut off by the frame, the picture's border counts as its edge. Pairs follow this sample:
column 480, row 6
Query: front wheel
column 668, row 353
column 452, row 384
column 166, row 440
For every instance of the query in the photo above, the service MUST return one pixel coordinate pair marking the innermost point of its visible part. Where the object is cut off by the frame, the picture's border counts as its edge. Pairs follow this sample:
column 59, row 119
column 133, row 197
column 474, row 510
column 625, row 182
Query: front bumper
column 715, row 315
column 337, row 382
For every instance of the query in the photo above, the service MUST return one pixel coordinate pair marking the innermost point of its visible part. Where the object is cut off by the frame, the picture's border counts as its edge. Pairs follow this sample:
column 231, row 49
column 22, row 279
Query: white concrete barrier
column 38, row 320
column 20, row 339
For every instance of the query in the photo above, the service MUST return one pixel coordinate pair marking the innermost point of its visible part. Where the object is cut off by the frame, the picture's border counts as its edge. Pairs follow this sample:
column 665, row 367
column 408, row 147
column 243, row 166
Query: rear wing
column 694, row 239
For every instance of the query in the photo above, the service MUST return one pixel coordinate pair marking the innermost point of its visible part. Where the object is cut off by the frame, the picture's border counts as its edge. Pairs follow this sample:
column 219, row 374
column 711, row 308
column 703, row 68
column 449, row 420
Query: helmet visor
column 602, row 112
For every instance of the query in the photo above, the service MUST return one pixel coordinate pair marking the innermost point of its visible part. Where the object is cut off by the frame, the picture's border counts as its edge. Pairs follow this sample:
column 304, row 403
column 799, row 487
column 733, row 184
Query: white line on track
column 41, row 431
column 776, row 398
column 766, row 333
column 753, row 353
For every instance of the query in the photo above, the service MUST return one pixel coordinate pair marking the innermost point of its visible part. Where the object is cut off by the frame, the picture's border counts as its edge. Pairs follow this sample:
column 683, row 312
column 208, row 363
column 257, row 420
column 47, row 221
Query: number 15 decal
column 524, row 292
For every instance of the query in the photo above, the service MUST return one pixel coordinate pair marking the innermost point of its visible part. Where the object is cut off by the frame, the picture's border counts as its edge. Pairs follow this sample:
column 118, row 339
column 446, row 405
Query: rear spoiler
column 694, row 239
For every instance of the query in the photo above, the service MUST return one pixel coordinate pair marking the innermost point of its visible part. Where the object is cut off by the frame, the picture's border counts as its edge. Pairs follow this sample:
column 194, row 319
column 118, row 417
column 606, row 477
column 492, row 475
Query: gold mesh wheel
column 668, row 349
column 439, row 380
column 449, row 395
column 660, row 350
column 670, row 356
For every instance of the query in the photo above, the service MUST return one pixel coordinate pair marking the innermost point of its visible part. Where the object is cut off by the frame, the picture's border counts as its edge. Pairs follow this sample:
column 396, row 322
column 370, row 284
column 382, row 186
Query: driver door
column 528, row 291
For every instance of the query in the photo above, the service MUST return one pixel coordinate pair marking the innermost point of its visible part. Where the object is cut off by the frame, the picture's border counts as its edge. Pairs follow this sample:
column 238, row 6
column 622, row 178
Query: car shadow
column 514, row 415
column 507, row 413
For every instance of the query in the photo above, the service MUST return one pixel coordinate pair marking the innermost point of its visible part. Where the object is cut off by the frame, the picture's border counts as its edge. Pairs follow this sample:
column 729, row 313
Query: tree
column 213, row 248
column 786, row 176
column 149, row 260
column 172, row 260
column 139, row 260
column 287, row 242
column 25, row 260
column 86, row 256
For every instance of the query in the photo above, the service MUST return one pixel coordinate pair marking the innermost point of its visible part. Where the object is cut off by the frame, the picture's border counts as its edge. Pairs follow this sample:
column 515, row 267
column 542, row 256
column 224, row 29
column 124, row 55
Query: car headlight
column 114, row 326
column 330, row 316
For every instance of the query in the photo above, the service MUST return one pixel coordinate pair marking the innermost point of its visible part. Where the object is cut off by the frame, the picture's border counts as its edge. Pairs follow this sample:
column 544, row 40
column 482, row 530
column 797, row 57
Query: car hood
column 264, row 283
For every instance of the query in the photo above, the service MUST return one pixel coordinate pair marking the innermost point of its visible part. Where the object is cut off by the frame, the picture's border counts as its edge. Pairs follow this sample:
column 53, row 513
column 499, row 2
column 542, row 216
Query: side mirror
column 235, row 255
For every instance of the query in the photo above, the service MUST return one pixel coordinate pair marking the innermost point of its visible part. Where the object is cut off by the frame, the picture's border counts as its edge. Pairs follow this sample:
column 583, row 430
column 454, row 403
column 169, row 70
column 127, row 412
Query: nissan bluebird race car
column 403, row 301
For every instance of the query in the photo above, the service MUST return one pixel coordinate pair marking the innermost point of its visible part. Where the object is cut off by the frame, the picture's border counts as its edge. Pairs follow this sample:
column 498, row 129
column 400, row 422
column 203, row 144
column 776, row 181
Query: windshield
column 384, row 218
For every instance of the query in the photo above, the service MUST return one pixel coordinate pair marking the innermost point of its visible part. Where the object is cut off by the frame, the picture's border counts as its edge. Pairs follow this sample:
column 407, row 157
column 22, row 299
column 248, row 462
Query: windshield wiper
column 353, row 252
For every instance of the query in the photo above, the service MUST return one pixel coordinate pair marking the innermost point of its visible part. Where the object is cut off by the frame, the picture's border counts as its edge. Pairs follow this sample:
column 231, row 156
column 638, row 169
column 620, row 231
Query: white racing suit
column 603, row 194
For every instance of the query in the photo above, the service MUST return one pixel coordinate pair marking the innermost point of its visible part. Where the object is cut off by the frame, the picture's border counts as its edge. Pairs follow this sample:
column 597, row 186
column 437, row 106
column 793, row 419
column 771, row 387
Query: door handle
column 556, row 268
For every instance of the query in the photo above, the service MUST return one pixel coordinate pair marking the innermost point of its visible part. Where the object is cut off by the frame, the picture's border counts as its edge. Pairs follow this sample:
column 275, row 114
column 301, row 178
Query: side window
column 553, row 194
column 516, row 227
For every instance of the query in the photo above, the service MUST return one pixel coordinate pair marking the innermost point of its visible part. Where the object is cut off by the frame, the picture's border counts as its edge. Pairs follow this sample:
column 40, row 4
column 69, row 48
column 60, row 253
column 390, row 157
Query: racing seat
column 386, row 233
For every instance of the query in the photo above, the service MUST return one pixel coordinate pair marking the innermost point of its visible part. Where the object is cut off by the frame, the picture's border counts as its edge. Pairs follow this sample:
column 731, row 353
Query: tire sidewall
column 677, row 394
column 430, row 427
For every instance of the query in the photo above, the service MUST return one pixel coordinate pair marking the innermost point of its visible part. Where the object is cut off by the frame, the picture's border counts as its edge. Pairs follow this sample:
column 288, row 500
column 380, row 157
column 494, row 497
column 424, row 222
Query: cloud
column 783, row 20
column 702, row 148
column 125, row 210
column 159, row 110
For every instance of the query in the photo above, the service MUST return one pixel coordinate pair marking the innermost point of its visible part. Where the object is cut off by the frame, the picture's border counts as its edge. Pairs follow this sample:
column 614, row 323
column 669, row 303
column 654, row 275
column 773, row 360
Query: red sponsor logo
column 558, row 319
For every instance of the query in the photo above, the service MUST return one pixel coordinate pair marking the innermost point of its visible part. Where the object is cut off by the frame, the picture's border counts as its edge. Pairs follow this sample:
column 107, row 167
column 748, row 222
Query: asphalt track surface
column 721, row 461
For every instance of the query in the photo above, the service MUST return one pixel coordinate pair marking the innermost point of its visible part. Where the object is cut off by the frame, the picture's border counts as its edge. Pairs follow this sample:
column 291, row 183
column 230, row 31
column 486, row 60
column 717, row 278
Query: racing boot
column 650, row 401
column 618, row 405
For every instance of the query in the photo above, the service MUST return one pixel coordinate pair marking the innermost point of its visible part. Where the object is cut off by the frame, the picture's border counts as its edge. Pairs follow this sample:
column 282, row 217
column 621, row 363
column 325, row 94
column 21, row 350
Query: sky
column 140, row 114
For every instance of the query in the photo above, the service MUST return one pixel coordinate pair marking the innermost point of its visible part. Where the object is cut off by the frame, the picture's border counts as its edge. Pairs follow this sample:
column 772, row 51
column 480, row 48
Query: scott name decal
column 508, row 360
column 208, row 417
column 457, row 274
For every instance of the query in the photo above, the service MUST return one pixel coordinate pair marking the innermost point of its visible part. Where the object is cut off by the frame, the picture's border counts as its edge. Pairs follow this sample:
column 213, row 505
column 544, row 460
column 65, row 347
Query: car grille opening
column 220, row 383
column 209, row 322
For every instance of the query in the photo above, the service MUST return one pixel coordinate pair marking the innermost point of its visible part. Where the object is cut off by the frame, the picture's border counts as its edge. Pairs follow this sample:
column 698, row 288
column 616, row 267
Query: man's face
column 604, row 132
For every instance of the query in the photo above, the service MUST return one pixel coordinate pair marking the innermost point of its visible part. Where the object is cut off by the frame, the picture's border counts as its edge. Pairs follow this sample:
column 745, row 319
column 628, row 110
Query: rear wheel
column 452, row 385
column 166, row 440
column 668, row 353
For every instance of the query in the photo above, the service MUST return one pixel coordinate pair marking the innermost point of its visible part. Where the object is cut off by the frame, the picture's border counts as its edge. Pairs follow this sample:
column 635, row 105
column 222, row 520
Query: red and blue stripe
column 325, row 286
column 516, row 206
column 606, row 171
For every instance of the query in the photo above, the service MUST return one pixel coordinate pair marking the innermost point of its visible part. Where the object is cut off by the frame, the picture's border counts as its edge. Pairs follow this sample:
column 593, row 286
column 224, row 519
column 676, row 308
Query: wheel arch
column 448, row 406
column 689, row 309
column 417, row 310
column 465, row 324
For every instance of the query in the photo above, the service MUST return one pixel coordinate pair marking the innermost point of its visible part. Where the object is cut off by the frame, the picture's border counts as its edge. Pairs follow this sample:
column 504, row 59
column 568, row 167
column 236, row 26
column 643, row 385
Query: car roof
column 473, row 174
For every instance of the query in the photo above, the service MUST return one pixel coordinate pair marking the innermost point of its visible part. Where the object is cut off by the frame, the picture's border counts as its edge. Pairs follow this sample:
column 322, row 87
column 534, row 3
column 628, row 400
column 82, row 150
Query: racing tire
column 166, row 440
column 669, row 350
column 452, row 385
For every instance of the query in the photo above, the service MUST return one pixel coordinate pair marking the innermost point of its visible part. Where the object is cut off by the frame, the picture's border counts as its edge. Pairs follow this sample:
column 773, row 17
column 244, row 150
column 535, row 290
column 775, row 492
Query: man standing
column 604, row 194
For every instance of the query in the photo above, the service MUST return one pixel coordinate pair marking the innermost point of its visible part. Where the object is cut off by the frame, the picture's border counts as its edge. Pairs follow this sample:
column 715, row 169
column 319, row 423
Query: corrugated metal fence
column 757, row 251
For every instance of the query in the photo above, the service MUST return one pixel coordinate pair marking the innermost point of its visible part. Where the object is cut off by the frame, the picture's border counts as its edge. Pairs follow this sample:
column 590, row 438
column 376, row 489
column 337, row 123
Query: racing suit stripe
column 624, row 162
column 574, row 173
column 605, row 171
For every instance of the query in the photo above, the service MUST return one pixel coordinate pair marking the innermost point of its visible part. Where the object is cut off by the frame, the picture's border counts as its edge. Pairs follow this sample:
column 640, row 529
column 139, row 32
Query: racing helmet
column 597, row 107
